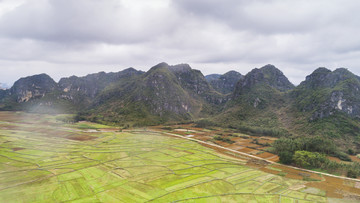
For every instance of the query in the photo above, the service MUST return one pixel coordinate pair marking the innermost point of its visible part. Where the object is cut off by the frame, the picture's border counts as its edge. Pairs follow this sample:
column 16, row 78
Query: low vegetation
column 312, row 152
column 224, row 139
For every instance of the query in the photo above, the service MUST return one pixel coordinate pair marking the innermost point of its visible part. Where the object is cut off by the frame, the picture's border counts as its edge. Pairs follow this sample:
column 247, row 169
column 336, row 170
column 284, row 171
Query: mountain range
column 263, row 101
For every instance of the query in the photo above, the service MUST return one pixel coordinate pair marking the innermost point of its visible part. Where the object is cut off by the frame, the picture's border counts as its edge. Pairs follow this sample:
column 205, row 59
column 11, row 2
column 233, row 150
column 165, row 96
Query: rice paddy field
column 45, row 160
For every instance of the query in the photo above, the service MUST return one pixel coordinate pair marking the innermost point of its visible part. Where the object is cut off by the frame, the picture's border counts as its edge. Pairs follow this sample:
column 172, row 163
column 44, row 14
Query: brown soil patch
column 80, row 137
column 265, row 155
column 265, row 141
column 355, row 159
column 290, row 173
column 331, row 158
column 255, row 152
column 239, row 139
column 338, row 160
column 267, row 170
column 205, row 139
column 332, row 186
column 251, row 145
column 294, row 176
column 17, row 149
column 275, row 158
column 297, row 174
column 268, row 139
column 246, row 150
column 224, row 144
column 260, row 164
column 244, row 141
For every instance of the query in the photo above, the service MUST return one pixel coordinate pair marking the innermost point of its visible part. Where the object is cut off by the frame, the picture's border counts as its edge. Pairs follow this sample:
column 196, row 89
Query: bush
column 309, row 159
column 343, row 156
column 286, row 157
column 224, row 139
column 352, row 173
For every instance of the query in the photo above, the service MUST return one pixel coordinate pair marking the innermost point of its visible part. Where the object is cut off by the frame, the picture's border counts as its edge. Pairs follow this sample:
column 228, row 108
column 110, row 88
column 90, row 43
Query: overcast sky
column 77, row 37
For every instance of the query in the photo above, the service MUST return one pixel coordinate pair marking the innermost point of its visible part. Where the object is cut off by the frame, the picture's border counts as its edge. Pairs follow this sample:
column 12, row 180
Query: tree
column 309, row 159
column 287, row 145
column 301, row 158
column 286, row 157
column 351, row 152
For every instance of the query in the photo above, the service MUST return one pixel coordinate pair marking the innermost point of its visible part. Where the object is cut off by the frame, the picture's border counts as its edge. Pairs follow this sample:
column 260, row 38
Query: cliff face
column 33, row 87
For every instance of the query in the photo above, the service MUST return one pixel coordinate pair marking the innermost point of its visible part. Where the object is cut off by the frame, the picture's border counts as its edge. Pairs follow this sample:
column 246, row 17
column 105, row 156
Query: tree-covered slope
column 256, row 100
column 328, row 103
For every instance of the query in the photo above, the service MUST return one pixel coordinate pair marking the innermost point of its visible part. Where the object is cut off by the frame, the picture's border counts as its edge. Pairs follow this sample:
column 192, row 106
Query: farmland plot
column 42, row 160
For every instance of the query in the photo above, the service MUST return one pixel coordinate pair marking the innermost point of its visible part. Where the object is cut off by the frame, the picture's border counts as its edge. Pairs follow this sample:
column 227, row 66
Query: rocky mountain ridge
column 262, row 99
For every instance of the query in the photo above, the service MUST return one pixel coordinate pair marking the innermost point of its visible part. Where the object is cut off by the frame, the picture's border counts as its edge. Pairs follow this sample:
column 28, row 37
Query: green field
column 42, row 160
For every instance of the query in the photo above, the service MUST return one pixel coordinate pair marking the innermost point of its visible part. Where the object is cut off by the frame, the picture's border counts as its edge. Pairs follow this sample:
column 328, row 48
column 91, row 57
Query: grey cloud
column 274, row 16
column 66, row 37
column 83, row 21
